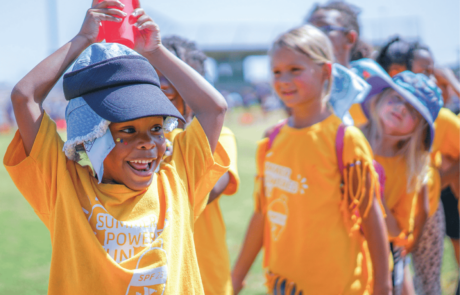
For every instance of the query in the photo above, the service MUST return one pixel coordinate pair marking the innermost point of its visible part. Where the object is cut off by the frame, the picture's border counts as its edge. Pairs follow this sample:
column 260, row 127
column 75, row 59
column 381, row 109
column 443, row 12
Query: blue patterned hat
column 416, row 89
column 347, row 89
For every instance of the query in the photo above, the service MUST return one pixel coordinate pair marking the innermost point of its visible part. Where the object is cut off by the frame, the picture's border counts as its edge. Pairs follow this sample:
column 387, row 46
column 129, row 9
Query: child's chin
column 139, row 185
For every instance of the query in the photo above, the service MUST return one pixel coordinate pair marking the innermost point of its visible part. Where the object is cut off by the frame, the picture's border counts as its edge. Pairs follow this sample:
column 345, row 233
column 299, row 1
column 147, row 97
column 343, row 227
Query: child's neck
column 308, row 114
column 388, row 145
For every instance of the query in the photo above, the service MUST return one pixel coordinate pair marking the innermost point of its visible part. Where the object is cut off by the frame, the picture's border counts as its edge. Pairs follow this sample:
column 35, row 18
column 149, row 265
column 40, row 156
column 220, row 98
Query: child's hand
column 238, row 285
column 97, row 13
column 148, row 39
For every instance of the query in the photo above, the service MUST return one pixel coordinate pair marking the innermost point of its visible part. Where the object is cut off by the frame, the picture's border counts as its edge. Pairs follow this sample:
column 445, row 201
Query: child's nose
column 403, row 109
column 146, row 141
column 285, row 79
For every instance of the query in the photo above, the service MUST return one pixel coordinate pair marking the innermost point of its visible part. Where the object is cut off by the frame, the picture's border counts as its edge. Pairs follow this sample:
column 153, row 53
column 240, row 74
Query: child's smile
column 398, row 116
column 140, row 146
column 142, row 167
column 296, row 78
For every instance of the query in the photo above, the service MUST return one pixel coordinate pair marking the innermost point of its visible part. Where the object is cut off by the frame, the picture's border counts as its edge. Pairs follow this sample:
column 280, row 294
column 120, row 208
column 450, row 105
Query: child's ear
column 352, row 37
column 327, row 70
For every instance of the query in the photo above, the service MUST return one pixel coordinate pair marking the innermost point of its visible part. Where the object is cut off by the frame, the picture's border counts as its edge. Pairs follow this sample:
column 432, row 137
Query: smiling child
column 118, row 228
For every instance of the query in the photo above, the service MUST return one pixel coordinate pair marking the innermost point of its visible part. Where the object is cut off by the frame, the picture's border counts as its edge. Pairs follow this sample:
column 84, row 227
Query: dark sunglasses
column 327, row 29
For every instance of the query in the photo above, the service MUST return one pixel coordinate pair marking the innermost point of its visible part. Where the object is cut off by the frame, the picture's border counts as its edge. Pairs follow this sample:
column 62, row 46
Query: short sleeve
column 228, row 141
column 259, row 192
column 358, row 167
column 447, row 134
column 196, row 166
column 36, row 175
column 356, row 147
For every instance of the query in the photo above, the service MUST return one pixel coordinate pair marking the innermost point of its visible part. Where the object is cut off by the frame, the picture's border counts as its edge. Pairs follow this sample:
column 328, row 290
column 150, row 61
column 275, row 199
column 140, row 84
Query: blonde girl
column 308, row 226
column 401, row 113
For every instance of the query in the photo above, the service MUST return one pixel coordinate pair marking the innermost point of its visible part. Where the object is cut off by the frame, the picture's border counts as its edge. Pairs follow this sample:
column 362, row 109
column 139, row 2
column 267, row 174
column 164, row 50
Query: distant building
column 236, row 51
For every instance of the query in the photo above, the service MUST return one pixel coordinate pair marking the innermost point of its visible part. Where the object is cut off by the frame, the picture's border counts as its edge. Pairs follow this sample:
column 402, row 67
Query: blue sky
column 24, row 33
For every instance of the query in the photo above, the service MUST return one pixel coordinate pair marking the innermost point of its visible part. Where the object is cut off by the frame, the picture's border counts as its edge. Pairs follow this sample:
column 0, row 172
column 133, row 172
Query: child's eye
column 128, row 130
column 296, row 70
column 276, row 73
column 157, row 128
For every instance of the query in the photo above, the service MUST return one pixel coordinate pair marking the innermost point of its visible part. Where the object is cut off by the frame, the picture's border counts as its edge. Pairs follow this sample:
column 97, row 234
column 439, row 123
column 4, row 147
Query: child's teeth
column 142, row 161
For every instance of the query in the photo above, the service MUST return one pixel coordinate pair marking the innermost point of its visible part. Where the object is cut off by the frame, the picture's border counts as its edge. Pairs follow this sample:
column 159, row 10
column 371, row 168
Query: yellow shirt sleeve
column 356, row 147
column 36, row 175
column 259, row 194
column 196, row 165
column 228, row 141
column 447, row 134
column 358, row 166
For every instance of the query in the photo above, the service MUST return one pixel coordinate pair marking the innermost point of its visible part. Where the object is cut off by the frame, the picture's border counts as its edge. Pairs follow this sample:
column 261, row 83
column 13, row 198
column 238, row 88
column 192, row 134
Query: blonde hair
column 412, row 147
column 313, row 43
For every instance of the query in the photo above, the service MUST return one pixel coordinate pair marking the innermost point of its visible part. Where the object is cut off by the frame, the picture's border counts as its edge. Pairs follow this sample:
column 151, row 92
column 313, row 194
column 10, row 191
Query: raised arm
column 206, row 102
column 28, row 95
column 445, row 78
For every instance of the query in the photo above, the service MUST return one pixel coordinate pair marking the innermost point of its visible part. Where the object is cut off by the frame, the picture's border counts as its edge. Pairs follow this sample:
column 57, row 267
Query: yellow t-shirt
column 171, row 135
column 210, row 240
column 108, row 239
column 357, row 114
column 399, row 201
column 447, row 135
column 446, row 142
column 298, row 188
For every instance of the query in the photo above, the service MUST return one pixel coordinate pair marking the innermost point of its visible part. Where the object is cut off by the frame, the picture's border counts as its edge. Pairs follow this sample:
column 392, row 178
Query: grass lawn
column 25, row 250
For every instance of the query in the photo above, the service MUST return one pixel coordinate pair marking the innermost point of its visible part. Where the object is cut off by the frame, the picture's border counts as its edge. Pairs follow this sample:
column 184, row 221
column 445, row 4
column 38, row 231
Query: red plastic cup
column 121, row 32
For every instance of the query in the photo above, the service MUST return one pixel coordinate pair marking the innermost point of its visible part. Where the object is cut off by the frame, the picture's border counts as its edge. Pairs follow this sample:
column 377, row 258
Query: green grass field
column 25, row 250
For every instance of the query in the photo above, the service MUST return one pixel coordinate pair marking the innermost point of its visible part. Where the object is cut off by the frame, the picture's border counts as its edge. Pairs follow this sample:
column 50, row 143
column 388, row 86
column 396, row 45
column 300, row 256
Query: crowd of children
column 338, row 209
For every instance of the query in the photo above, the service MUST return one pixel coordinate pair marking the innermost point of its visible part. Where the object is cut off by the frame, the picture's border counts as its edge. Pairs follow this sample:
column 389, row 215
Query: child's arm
column 392, row 225
column 251, row 247
column 450, row 175
column 375, row 232
column 28, row 95
column 206, row 102
column 220, row 187
column 446, row 77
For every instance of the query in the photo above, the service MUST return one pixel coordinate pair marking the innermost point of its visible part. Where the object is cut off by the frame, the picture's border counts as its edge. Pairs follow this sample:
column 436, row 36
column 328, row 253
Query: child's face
column 398, row 117
column 171, row 93
column 139, row 148
column 329, row 22
column 423, row 63
column 395, row 69
column 296, row 78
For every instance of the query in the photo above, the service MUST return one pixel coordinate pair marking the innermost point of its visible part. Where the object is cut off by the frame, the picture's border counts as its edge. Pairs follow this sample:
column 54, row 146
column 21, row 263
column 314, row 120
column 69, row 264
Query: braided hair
column 187, row 51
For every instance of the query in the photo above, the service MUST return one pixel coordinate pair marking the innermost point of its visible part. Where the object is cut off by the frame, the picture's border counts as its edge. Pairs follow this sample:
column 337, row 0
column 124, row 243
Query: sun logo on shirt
column 302, row 183
column 277, row 216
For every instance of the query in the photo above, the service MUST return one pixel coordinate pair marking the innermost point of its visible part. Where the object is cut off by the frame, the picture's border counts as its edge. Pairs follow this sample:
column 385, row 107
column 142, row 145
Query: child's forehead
column 141, row 121
column 324, row 17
